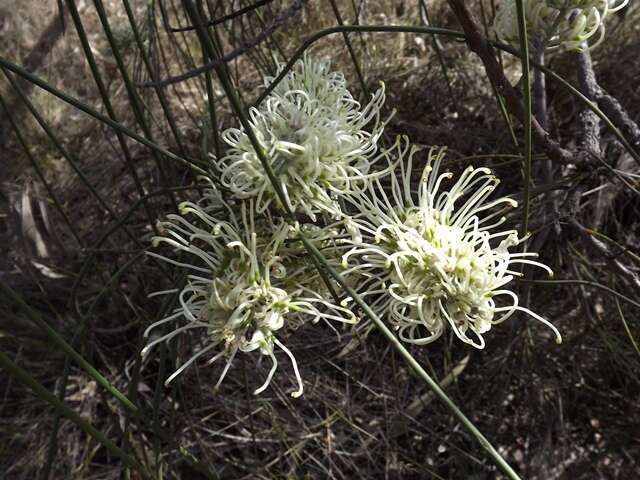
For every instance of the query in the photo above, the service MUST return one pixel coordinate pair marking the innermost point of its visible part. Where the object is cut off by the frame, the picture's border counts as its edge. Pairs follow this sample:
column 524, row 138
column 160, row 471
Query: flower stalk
column 309, row 151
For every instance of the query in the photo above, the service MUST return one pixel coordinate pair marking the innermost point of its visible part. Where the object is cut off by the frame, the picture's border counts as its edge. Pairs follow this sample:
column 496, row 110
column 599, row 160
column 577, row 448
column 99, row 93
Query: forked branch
column 479, row 44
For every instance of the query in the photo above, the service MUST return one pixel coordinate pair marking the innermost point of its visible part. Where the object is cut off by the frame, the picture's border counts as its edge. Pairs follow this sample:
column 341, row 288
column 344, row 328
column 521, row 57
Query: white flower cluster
column 318, row 138
column 437, row 261
column 247, row 278
column 425, row 262
column 553, row 24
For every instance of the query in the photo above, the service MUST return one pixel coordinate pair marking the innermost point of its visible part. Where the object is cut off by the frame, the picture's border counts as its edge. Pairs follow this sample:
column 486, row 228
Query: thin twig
column 601, row 249
column 225, row 18
column 482, row 47
column 280, row 19
column 619, row 116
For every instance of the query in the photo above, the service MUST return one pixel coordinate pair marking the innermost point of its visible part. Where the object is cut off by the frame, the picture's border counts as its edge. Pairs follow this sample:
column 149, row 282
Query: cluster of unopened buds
column 554, row 24
column 425, row 261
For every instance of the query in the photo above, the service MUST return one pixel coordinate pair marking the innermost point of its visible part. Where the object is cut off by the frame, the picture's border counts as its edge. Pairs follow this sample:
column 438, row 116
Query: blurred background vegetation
column 79, row 201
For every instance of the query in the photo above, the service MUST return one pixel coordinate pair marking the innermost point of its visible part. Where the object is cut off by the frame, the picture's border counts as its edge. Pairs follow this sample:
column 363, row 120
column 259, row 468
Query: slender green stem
column 237, row 107
column 23, row 377
column 39, row 172
column 437, row 47
column 398, row 29
column 626, row 327
column 66, row 348
column 577, row 94
column 109, row 283
column 93, row 251
column 52, row 450
column 18, row 70
column 134, row 98
column 505, row 114
column 587, row 283
column 348, row 28
column 623, row 248
column 436, row 31
column 164, row 104
column 62, row 388
column 65, row 153
column 93, row 373
column 272, row 39
column 211, row 103
column 106, row 101
column 171, row 56
column 417, row 368
column 526, row 90
column 352, row 53
column 214, row 64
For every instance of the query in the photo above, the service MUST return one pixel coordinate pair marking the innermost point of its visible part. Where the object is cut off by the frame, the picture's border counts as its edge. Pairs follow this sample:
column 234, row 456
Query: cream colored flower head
column 246, row 282
column 437, row 259
column 320, row 141
column 554, row 24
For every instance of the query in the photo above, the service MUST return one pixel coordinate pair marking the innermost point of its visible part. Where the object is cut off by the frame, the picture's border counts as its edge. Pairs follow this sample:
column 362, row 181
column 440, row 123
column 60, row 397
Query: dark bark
column 588, row 121
column 540, row 94
column 479, row 45
column 620, row 118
